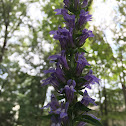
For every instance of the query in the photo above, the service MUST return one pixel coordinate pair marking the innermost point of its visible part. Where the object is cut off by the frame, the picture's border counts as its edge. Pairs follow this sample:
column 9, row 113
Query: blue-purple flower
column 87, row 99
column 84, row 17
column 85, row 34
column 56, row 121
column 81, row 63
column 57, row 76
column 54, row 58
column 56, row 108
column 54, row 104
column 53, row 81
column 62, row 60
column 66, row 3
column 69, row 90
column 61, row 11
column 85, row 3
column 76, row 4
column 64, row 36
column 70, row 20
column 90, row 79
column 62, row 111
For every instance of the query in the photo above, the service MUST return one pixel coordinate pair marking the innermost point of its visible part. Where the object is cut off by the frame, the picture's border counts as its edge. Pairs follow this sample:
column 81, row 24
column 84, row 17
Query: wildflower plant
column 72, row 74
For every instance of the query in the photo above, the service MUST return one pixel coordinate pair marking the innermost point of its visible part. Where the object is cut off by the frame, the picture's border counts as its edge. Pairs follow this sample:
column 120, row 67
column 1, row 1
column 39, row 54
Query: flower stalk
column 72, row 72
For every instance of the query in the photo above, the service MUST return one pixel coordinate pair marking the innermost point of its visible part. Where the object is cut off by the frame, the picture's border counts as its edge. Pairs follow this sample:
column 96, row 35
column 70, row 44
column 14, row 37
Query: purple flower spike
column 54, row 104
column 46, row 81
column 81, row 63
column 54, row 82
column 67, row 3
column 59, row 73
column 64, row 36
column 70, row 20
column 76, row 3
column 55, row 107
column 69, row 89
column 71, row 83
column 84, row 17
column 85, row 34
column 85, row 3
column 56, row 121
column 62, row 60
column 91, row 79
column 68, row 75
column 53, row 58
column 51, row 80
column 52, row 32
column 87, row 99
column 71, row 43
column 51, row 70
column 61, row 12
column 63, row 110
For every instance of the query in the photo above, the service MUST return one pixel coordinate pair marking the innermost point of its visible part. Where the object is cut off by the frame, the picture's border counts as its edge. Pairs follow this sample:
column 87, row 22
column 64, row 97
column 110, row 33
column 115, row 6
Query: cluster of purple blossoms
column 68, row 77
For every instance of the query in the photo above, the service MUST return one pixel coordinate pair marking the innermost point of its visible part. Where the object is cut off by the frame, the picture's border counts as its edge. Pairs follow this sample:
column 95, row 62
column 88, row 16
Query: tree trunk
column 101, row 105
column 124, row 93
column 105, row 106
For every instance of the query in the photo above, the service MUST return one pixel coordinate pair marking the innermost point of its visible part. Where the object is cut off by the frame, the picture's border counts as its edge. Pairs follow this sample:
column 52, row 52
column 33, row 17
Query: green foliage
column 80, row 107
column 21, row 94
column 89, row 119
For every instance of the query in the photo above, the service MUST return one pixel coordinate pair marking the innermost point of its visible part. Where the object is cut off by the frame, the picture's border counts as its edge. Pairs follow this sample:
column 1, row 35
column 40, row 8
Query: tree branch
column 6, row 22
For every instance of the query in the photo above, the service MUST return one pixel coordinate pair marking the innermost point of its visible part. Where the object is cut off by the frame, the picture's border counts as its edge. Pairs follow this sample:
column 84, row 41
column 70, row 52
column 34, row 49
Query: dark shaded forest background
column 25, row 45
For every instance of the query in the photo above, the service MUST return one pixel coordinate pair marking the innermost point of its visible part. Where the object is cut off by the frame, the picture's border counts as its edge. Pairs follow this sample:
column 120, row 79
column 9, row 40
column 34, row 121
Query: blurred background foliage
column 25, row 45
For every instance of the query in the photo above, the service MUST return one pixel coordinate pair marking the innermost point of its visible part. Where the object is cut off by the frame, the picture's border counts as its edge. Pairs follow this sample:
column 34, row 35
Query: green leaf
column 89, row 119
column 77, row 35
column 72, row 61
column 81, row 107
column 82, row 50
column 89, row 67
column 80, row 92
column 60, row 97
